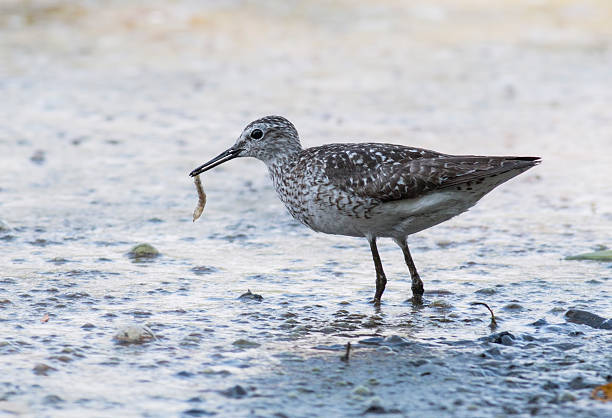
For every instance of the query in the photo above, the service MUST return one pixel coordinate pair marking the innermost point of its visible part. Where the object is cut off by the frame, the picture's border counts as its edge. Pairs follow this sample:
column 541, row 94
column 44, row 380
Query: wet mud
column 108, row 106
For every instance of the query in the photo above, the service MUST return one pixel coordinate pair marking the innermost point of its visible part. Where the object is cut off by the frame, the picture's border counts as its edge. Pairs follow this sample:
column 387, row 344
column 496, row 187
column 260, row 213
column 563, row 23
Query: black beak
column 230, row 154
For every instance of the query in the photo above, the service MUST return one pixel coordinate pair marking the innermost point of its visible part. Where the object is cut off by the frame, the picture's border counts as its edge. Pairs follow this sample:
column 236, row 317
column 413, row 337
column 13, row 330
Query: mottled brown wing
column 421, row 176
column 374, row 170
column 393, row 172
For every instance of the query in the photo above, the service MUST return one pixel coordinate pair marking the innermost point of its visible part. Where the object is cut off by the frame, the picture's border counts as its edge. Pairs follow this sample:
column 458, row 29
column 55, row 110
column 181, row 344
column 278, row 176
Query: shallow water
column 107, row 108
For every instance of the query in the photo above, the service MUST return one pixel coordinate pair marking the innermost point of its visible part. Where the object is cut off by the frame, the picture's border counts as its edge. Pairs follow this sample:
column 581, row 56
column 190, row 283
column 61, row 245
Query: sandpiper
column 369, row 190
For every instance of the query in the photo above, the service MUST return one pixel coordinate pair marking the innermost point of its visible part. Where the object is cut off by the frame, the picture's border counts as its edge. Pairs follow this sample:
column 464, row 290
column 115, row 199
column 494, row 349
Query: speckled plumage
column 369, row 189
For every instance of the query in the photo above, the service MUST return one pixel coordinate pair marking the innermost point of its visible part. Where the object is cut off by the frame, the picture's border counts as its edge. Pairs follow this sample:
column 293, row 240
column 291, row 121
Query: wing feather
column 394, row 172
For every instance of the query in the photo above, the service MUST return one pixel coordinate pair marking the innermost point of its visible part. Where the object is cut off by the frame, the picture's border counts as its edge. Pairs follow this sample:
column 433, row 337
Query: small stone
column 248, row 296
column 42, row 369
column 488, row 291
column 513, row 307
column 441, row 304
column 143, row 252
column 38, row 157
column 375, row 409
column 242, row 343
column 235, row 392
column 197, row 412
column 395, row 340
column 202, row 270
column 539, row 323
column 52, row 399
column 578, row 316
column 362, row 391
column 503, row 338
column 444, row 243
column 134, row 334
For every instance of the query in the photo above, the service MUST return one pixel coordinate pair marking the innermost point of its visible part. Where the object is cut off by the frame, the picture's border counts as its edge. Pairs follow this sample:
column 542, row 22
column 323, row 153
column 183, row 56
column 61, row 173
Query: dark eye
column 256, row 134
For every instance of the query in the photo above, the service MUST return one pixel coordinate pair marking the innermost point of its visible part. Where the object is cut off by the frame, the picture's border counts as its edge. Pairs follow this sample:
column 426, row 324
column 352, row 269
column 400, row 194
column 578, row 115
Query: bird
column 371, row 190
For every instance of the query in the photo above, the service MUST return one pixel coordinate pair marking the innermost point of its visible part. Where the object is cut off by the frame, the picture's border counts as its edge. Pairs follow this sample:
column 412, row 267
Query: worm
column 197, row 212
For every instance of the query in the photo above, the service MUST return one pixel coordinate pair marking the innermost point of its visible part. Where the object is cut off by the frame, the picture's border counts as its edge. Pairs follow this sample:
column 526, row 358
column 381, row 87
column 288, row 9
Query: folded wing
column 405, row 173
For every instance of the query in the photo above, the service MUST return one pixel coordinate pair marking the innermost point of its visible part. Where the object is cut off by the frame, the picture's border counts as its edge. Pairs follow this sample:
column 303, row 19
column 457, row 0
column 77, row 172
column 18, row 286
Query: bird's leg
column 417, row 283
column 381, row 280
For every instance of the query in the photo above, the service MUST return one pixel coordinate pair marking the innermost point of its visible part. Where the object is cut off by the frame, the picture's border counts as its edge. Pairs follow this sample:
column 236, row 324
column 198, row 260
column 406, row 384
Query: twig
column 493, row 324
column 345, row 357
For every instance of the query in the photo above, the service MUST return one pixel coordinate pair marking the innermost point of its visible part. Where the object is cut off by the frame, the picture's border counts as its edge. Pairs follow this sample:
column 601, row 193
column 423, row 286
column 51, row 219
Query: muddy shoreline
column 108, row 106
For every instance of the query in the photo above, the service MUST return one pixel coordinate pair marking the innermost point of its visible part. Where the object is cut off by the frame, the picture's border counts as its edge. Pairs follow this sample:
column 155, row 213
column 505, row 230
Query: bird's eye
column 257, row 134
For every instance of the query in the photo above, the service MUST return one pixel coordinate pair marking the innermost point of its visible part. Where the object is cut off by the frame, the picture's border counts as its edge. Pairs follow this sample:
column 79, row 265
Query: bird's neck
column 280, row 168
column 276, row 159
column 280, row 164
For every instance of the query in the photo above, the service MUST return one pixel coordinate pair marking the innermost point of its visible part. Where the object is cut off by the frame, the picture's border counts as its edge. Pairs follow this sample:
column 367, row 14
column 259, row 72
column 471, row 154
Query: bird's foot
column 417, row 290
column 416, row 300
column 375, row 301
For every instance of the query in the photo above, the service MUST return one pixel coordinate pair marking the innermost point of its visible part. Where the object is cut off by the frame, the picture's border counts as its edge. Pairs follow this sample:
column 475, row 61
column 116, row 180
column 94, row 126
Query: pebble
column 375, row 409
column 362, row 391
column 196, row 412
column 38, row 157
column 391, row 341
column 243, row 343
column 578, row 316
column 540, row 322
column 42, row 369
column 143, row 252
column 52, row 399
column 248, row 296
column 235, row 392
column 134, row 334
column 503, row 338
column 488, row 291
column 441, row 304
column 202, row 270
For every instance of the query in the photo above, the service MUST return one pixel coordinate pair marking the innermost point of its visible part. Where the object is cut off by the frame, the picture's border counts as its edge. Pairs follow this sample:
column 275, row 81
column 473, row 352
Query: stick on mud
column 493, row 321
column 345, row 357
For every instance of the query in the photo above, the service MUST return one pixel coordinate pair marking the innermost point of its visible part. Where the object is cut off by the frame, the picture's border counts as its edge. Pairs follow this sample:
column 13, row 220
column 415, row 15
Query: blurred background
column 106, row 106
column 95, row 90
column 515, row 76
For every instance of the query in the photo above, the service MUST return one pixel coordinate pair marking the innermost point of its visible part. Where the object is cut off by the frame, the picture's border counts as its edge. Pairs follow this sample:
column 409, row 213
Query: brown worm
column 197, row 212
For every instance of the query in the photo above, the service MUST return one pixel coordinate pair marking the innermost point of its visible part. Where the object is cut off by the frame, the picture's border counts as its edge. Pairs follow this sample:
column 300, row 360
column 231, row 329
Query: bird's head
column 268, row 139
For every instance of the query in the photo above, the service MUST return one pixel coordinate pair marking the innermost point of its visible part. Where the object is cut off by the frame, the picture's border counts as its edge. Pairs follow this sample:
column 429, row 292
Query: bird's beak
column 227, row 155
